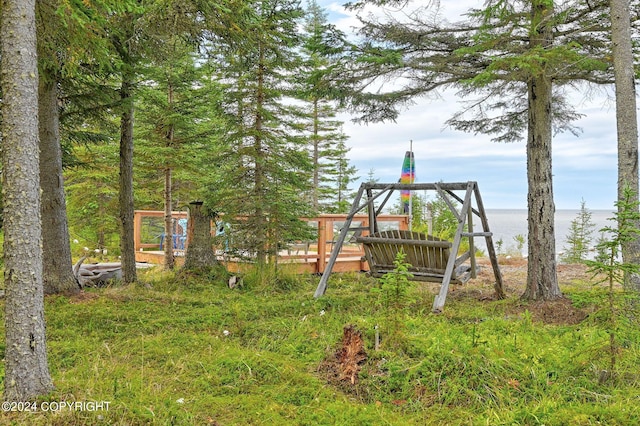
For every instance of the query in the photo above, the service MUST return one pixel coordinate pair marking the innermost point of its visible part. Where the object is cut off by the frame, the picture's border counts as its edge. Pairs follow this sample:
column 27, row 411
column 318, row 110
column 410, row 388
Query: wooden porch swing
column 431, row 259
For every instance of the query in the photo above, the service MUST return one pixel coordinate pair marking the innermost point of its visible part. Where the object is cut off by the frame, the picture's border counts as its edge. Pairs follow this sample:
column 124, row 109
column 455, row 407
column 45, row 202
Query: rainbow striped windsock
column 408, row 176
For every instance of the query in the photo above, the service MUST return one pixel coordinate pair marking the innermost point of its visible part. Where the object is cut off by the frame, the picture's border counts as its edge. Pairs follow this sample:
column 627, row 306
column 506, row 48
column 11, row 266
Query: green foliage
column 264, row 166
column 513, row 250
column 177, row 126
column 579, row 237
column 92, row 198
column 601, row 255
column 341, row 176
column 626, row 218
column 419, row 212
column 199, row 353
column 279, row 277
column 489, row 58
column 444, row 221
column 520, row 240
column 395, row 284
column 614, row 270
column 394, row 298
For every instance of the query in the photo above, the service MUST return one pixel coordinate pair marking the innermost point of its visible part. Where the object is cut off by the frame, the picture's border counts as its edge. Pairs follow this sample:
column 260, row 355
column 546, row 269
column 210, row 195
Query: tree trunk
column 169, row 260
column 626, row 120
column 316, row 155
column 199, row 255
column 57, row 263
column 127, row 247
column 100, row 239
column 100, row 232
column 26, row 369
column 542, row 279
column 261, row 224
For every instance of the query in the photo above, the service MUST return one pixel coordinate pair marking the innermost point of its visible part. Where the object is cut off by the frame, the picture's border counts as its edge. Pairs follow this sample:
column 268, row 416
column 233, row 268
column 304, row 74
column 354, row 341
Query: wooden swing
column 427, row 255
column 431, row 259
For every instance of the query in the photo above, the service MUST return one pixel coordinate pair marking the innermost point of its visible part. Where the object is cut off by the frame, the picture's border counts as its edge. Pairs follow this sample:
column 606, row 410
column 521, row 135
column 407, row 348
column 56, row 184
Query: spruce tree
column 342, row 175
column 67, row 41
column 171, row 102
column 92, row 188
column 90, row 155
column 626, row 119
column 579, row 238
column 517, row 57
column 26, row 372
column 264, row 166
column 323, row 45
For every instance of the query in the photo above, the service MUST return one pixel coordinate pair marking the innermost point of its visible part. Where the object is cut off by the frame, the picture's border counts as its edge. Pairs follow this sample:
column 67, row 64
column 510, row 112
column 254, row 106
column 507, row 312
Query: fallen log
column 96, row 274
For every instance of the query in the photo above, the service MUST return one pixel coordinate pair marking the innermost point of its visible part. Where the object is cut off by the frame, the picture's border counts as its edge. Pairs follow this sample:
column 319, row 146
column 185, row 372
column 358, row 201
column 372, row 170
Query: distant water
column 506, row 224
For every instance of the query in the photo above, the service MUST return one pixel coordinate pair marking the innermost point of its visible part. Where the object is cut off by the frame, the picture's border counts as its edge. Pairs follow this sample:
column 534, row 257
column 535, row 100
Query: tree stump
column 200, row 254
column 351, row 355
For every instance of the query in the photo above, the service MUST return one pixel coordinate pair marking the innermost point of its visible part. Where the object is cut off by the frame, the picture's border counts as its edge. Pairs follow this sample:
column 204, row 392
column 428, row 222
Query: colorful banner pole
column 408, row 176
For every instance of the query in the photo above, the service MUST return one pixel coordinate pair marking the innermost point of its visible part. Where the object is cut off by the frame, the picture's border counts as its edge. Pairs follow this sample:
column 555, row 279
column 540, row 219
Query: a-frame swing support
column 464, row 215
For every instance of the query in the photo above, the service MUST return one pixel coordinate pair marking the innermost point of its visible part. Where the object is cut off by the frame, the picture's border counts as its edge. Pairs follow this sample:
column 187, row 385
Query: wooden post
column 322, row 285
column 322, row 245
column 472, row 248
column 373, row 222
column 137, row 230
column 498, row 287
column 438, row 303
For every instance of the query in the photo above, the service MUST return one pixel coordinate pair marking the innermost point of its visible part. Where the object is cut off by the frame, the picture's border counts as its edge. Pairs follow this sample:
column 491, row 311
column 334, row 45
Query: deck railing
column 308, row 256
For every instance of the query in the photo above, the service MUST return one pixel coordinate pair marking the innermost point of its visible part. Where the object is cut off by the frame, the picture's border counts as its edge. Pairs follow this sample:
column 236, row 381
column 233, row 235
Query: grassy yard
column 189, row 351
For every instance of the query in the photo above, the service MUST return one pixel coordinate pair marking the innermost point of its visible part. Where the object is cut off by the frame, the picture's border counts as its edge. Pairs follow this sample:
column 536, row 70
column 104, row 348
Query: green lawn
column 190, row 351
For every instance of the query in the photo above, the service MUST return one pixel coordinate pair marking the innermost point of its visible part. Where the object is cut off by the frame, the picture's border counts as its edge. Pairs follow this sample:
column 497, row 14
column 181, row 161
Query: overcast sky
column 584, row 167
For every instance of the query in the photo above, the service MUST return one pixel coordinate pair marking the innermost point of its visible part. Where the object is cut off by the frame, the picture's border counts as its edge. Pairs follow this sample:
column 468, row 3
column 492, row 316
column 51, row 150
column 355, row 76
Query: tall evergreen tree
column 339, row 178
column 542, row 278
column 92, row 187
column 127, row 54
column 53, row 61
column 172, row 72
column 177, row 129
column 88, row 132
column 183, row 104
column 626, row 120
column 139, row 39
column 71, row 42
column 265, row 166
column 90, row 137
column 322, row 45
column 517, row 55
column 58, row 276
column 26, row 368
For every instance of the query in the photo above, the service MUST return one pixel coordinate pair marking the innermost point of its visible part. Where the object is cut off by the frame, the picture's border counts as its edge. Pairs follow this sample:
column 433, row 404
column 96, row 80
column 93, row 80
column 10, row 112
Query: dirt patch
column 514, row 277
column 514, row 272
column 573, row 272
column 83, row 297
column 556, row 312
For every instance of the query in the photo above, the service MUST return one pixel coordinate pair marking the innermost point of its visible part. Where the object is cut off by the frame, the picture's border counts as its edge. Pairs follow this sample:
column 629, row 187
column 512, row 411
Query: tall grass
column 189, row 351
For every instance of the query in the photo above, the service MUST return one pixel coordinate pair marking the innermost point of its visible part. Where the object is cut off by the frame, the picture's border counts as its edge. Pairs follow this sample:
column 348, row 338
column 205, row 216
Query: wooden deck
column 304, row 257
